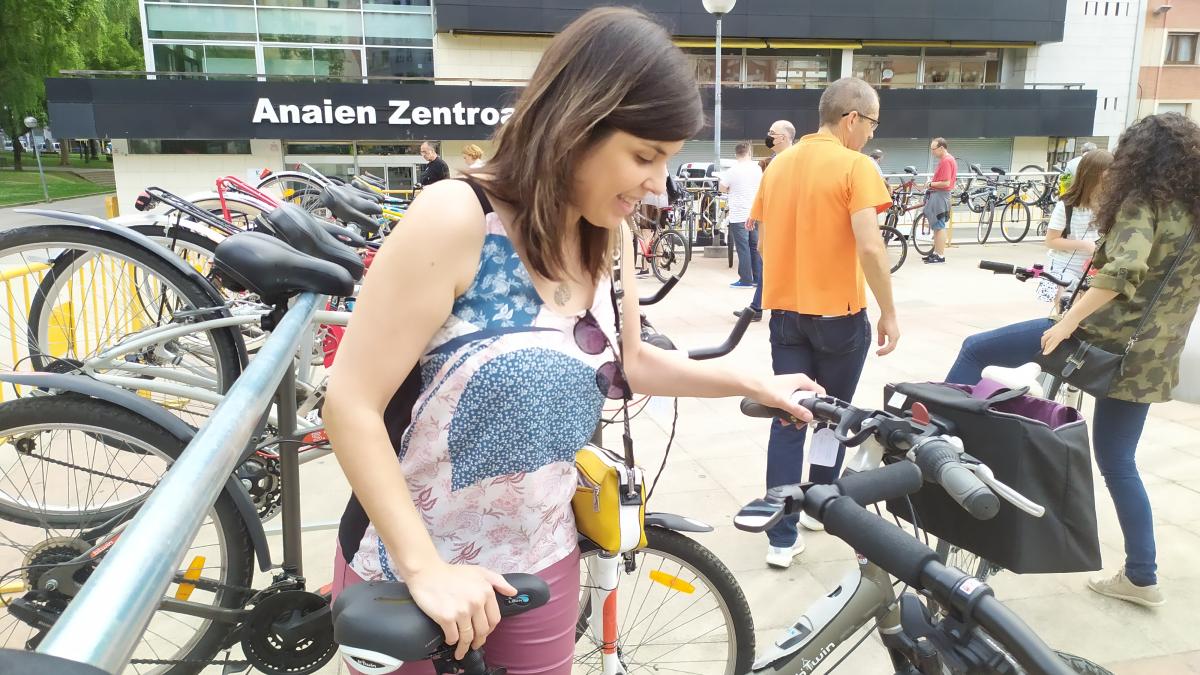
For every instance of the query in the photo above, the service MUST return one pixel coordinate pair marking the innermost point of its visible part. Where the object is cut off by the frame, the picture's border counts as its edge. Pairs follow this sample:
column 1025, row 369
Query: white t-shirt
column 743, row 179
column 1068, row 264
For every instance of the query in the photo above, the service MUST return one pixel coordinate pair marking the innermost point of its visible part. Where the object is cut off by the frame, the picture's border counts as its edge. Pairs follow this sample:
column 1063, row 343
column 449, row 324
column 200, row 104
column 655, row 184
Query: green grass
column 28, row 161
column 25, row 186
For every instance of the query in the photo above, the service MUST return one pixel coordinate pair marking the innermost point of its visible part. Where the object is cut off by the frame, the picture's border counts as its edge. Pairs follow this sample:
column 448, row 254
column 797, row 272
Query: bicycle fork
column 604, row 570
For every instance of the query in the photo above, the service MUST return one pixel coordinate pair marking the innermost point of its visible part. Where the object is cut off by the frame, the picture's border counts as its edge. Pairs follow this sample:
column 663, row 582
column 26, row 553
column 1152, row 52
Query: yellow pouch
column 605, row 512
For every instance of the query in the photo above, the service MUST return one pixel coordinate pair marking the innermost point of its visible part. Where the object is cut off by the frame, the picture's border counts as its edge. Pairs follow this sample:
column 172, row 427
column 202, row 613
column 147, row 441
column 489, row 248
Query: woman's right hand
column 461, row 599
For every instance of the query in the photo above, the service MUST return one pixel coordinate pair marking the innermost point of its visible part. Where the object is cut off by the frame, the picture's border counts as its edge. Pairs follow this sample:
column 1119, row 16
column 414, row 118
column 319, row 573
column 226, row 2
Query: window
column 1181, row 48
column 184, row 22
column 397, row 5
column 217, row 59
column 303, row 25
column 318, row 4
column 320, row 149
column 413, row 30
column 177, row 147
column 400, row 62
column 1181, row 108
column 312, row 61
column 894, row 68
column 702, row 59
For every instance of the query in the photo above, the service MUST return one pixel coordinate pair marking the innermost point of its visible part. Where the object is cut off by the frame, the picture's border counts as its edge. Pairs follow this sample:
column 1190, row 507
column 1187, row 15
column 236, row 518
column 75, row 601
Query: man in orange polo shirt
column 817, row 208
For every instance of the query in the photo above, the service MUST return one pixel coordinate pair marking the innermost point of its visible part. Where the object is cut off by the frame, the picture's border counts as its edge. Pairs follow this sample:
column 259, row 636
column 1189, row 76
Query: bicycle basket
column 1039, row 448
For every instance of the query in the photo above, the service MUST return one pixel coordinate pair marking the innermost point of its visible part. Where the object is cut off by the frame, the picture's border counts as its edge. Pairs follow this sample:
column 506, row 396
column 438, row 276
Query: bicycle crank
column 289, row 633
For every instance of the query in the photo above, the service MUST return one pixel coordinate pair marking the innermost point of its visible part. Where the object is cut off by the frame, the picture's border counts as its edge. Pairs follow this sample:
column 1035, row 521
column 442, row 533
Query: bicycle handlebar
column 735, row 336
column 660, row 293
column 1022, row 273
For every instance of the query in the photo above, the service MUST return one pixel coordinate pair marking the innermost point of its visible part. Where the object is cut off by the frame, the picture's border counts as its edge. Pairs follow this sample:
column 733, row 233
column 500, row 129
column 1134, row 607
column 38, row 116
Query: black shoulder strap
column 481, row 195
column 1067, row 230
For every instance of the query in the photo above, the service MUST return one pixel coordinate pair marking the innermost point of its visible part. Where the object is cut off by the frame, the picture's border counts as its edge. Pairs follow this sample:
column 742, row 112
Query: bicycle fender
column 146, row 243
column 81, row 384
column 670, row 521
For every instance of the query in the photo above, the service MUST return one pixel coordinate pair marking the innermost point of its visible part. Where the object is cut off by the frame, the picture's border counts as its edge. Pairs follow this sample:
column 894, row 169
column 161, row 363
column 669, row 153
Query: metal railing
column 104, row 623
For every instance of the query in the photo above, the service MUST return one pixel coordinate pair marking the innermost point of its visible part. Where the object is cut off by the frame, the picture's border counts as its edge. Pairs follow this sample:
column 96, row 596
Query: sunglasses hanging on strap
column 610, row 498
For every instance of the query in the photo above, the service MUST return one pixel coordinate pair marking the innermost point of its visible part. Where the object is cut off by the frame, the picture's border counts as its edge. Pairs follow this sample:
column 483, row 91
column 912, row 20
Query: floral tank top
column 506, row 399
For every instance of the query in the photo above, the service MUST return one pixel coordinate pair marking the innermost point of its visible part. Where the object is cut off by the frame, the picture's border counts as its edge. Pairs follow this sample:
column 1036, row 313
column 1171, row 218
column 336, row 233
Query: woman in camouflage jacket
column 1150, row 206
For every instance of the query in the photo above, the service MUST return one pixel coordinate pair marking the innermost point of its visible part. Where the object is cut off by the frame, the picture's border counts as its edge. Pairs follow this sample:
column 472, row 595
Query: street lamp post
column 717, row 8
column 31, row 122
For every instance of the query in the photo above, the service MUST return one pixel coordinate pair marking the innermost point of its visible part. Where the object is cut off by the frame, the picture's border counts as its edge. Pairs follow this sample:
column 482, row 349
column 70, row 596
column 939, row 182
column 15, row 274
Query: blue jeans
column 1116, row 430
column 749, row 260
column 1008, row 346
column 832, row 351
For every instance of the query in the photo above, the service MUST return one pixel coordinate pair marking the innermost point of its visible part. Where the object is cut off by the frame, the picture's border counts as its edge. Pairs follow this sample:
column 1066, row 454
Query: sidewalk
column 92, row 205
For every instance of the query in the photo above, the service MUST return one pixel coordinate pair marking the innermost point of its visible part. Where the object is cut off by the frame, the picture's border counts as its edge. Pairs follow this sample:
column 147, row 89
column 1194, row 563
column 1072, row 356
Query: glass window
column 302, row 25
column 1181, row 108
column 319, row 149
column 200, row 23
column 889, row 72
column 139, row 146
column 400, row 62
column 389, row 148
column 288, row 60
column 337, row 62
column 399, row 29
column 179, row 58
column 704, row 58
column 397, row 5
column 1181, row 48
column 233, row 60
column 209, row 2
column 319, row 4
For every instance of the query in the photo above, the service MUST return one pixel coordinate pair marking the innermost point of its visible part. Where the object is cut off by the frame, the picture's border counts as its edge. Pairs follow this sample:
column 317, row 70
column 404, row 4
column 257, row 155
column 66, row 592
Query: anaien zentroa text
column 402, row 113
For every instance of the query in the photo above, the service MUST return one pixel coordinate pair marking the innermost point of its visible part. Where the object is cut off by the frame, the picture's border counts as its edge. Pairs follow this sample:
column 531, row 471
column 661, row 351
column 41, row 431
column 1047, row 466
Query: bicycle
column 972, row 632
column 1014, row 216
column 921, row 236
column 1047, row 193
column 666, row 250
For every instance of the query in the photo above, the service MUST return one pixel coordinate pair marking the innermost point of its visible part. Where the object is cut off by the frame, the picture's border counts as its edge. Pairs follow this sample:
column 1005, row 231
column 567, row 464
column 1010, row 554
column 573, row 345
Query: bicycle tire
column 96, row 419
column 1014, row 221
column 920, row 244
column 705, row 567
column 966, row 561
column 1037, row 186
column 71, row 245
column 896, row 246
column 669, row 255
column 77, row 246
column 984, row 229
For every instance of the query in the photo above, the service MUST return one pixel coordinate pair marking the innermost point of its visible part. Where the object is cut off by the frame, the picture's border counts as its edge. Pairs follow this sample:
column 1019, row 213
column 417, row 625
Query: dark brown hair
column 1156, row 163
column 1088, row 178
column 612, row 69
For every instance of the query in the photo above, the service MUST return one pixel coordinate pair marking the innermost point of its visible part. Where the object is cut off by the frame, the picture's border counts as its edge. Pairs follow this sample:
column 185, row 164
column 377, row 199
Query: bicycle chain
column 123, row 479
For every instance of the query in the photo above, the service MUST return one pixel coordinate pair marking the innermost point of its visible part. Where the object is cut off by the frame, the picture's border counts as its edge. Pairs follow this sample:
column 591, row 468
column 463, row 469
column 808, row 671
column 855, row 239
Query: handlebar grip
column 879, row 541
column 532, row 592
column 751, row 408
column 938, row 461
column 888, row 482
column 997, row 267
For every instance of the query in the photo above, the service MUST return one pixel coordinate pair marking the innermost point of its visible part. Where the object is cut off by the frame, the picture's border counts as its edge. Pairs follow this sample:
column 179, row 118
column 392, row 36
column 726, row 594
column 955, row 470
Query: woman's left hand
column 779, row 391
column 1055, row 335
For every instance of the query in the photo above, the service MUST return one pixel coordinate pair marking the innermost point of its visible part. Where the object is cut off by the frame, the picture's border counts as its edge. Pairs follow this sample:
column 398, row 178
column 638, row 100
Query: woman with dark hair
column 499, row 287
column 1148, row 257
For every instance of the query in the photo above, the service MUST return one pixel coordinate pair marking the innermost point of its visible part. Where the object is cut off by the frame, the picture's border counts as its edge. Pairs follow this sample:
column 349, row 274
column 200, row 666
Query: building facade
column 1169, row 77
column 1010, row 84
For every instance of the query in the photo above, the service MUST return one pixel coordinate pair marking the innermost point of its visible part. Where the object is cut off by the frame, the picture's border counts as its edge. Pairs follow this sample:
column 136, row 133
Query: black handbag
column 1088, row 367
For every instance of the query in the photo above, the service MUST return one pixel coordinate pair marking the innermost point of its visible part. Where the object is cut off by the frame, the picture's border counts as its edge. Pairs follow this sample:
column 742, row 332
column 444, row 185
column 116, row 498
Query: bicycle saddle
column 301, row 231
column 998, row 171
column 975, row 168
column 349, row 206
column 362, row 189
column 342, row 234
column 912, row 170
column 379, row 627
column 273, row 270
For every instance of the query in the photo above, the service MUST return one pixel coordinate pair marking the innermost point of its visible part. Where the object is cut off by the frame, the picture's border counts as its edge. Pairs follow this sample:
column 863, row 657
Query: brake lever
column 984, row 472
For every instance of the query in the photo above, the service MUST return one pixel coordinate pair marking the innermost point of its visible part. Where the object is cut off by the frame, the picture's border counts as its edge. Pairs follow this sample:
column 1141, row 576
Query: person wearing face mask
column 779, row 138
column 817, row 210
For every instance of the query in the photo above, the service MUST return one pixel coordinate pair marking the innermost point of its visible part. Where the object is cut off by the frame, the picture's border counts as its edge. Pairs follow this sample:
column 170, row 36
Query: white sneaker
column 782, row 557
column 811, row 524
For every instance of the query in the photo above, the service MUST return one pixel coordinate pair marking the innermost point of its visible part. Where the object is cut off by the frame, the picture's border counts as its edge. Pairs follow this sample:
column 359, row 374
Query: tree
column 40, row 38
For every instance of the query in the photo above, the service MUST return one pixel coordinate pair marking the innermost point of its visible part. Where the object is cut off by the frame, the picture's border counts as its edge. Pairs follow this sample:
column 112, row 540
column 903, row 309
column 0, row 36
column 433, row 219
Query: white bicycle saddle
column 1015, row 378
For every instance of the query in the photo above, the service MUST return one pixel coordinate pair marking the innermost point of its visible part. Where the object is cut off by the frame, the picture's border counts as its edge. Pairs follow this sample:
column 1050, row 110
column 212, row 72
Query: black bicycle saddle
column 911, row 170
column 380, row 617
column 349, row 206
column 299, row 229
column 266, row 266
column 998, row 171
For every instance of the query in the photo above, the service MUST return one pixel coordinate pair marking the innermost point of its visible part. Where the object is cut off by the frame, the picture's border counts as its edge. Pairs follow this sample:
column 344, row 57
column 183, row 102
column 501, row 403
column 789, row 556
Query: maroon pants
column 538, row 642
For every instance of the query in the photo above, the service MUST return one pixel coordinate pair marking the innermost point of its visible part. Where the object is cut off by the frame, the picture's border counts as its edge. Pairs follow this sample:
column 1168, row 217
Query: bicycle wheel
column 1033, row 180
column 680, row 609
column 669, row 255
column 1014, row 221
column 86, row 290
column 984, row 229
column 964, row 560
column 922, row 235
column 897, row 247
column 71, row 463
column 294, row 187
